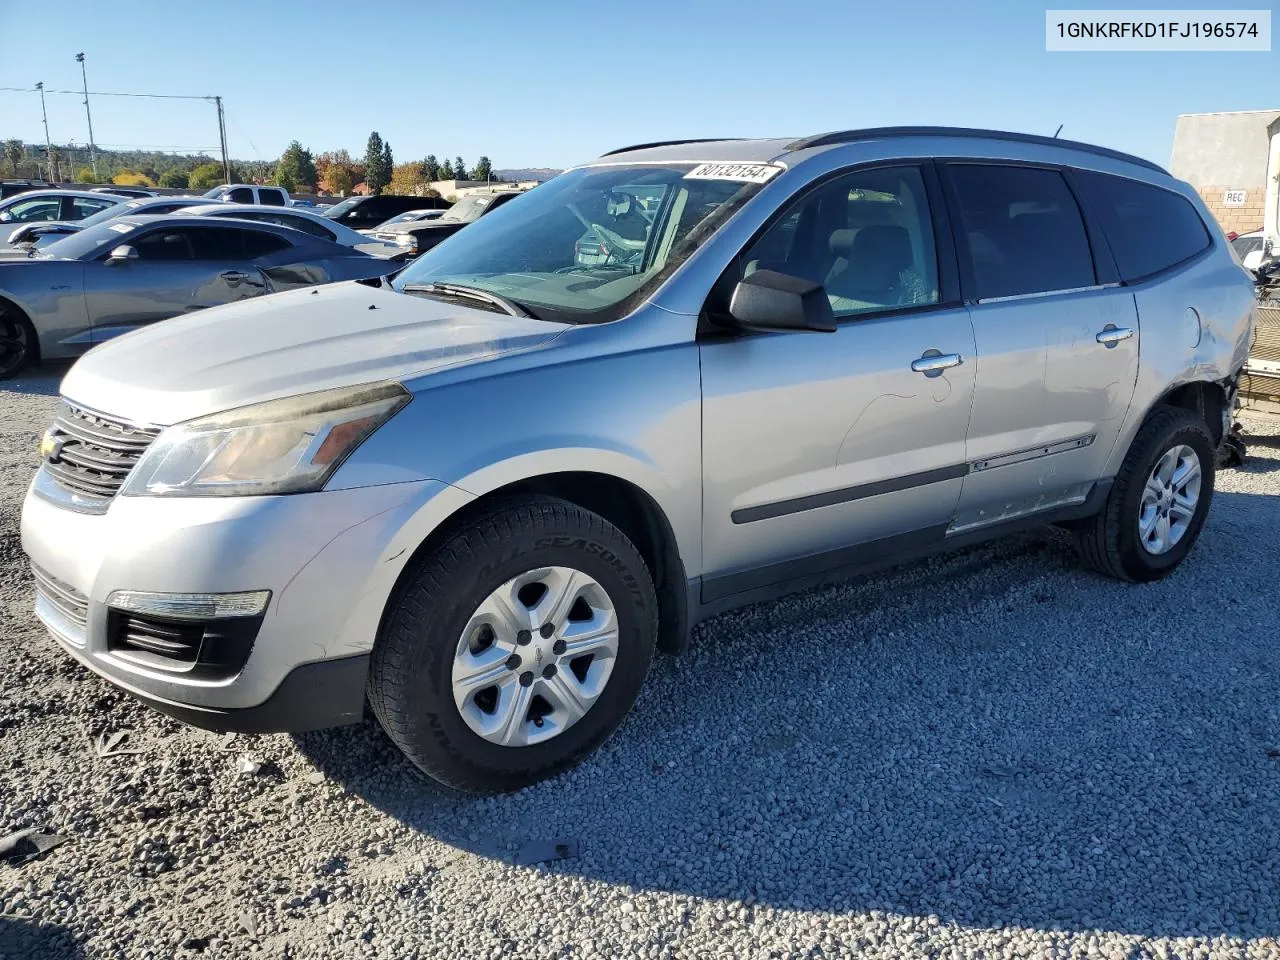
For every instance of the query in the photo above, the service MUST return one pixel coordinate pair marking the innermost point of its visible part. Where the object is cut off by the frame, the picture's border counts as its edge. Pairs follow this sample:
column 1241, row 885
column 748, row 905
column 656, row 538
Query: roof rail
column 666, row 143
column 881, row 133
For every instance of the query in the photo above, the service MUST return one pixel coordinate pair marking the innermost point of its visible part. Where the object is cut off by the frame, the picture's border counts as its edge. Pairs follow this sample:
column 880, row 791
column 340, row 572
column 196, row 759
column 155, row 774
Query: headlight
column 406, row 240
column 282, row 446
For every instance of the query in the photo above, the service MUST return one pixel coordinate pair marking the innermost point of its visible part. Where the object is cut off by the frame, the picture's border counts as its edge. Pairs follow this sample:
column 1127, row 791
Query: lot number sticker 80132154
column 745, row 172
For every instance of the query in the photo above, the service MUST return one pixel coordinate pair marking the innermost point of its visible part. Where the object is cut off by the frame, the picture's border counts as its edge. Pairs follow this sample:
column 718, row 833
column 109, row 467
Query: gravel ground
column 990, row 754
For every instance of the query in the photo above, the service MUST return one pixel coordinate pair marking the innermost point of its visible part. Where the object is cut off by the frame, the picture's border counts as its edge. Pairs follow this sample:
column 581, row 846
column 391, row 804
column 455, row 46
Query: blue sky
column 557, row 82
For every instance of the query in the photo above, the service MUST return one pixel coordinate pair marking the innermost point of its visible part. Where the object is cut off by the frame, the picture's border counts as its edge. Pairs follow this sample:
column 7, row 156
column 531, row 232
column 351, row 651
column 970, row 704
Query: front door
column 822, row 449
column 179, row 269
column 1057, row 350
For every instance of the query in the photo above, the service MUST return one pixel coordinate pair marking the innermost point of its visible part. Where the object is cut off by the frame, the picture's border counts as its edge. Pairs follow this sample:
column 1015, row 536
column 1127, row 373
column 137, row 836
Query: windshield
column 585, row 246
column 338, row 209
column 404, row 217
column 82, row 245
column 468, row 208
column 214, row 191
column 110, row 213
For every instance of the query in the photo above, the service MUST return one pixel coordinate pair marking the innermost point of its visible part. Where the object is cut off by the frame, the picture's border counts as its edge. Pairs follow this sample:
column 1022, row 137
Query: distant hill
column 526, row 173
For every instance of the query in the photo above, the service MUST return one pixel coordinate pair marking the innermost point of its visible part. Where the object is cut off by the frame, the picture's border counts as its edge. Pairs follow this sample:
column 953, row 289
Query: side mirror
column 5, row 216
column 122, row 254
column 768, row 300
column 1253, row 259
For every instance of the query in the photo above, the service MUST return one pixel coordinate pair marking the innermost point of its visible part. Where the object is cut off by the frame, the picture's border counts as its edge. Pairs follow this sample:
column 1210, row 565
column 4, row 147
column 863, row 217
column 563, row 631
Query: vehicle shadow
column 994, row 738
column 20, row 938
column 42, row 380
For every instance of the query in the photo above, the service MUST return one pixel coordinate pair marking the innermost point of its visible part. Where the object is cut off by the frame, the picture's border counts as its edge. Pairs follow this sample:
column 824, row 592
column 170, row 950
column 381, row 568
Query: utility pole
column 222, row 135
column 48, row 147
column 93, row 157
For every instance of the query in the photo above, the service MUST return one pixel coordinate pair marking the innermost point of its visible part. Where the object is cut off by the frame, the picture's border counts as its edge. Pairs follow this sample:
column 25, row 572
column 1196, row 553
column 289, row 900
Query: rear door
column 1056, row 338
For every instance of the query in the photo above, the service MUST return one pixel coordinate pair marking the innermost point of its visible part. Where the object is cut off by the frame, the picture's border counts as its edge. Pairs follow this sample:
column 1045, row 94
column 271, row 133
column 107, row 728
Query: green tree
column 86, row 175
column 377, row 163
column 406, row 178
column 205, row 176
column 446, row 172
column 431, row 167
column 483, row 170
column 296, row 168
column 339, row 180
column 14, row 153
column 174, row 178
column 388, row 162
column 459, row 168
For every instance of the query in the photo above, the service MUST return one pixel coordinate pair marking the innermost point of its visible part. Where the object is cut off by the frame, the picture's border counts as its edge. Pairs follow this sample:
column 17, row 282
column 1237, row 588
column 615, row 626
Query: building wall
column 1240, row 219
column 1221, row 152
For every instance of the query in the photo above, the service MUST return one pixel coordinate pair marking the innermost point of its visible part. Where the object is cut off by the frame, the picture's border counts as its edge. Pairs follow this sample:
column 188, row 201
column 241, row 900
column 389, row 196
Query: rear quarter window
column 1148, row 228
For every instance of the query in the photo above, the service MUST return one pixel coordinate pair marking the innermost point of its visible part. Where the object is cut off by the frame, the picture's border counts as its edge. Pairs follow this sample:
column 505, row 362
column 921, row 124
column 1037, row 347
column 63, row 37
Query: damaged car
column 99, row 283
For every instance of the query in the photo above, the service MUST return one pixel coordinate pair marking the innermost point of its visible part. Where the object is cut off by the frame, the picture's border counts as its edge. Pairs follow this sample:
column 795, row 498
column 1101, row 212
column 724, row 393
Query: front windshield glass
column 82, row 245
column 338, row 209
column 468, row 208
column 585, row 246
column 214, row 191
column 110, row 213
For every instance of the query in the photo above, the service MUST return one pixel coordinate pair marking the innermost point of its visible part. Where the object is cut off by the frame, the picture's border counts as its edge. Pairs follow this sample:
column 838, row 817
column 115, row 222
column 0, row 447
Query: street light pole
column 222, row 137
column 93, row 158
column 48, row 147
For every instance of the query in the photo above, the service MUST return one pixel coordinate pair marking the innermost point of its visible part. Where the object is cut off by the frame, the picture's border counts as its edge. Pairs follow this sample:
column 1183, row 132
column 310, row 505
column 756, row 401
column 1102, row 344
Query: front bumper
column 330, row 560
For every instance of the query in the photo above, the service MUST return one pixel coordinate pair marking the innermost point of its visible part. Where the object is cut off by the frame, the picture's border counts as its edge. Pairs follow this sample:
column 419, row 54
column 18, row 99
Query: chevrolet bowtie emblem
column 51, row 447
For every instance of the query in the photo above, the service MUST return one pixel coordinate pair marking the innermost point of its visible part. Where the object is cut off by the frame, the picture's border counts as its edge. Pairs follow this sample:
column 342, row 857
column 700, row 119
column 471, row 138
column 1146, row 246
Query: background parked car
column 9, row 188
column 1246, row 243
column 36, row 205
column 419, row 236
column 408, row 216
column 41, row 234
column 360, row 213
column 134, row 192
column 249, row 193
column 297, row 219
column 131, row 271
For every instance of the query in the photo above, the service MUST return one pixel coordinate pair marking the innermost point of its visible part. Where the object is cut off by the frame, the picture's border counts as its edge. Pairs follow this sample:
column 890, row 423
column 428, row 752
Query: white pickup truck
column 250, row 193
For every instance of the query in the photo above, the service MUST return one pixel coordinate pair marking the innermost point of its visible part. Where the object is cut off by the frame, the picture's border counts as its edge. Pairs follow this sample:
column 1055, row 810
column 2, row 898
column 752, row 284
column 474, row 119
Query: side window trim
column 969, row 282
column 943, row 243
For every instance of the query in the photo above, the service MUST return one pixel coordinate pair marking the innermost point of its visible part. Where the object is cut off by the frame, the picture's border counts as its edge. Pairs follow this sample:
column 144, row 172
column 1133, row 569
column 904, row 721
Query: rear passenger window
column 1149, row 229
column 242, row 195
column 1024, row 229
column 271, row 197
column 258, row 243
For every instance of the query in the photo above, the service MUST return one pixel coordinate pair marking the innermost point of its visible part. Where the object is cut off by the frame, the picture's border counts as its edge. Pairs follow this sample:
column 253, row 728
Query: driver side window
column 867, row 237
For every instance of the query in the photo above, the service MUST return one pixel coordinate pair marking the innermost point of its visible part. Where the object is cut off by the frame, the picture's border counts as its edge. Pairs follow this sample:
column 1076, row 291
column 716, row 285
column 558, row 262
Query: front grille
column 62, row 597
column 93, row 453
column 178, row 641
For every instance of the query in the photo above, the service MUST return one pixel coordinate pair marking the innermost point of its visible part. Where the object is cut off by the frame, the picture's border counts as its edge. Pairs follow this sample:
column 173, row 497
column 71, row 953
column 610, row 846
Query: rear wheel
column 515, row 647
column 1158, row 503
column 17, row 341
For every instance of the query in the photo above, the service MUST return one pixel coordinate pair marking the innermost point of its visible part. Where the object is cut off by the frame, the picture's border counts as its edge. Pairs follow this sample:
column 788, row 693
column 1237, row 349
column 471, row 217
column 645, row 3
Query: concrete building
column 1233, row 160
column 457, row 189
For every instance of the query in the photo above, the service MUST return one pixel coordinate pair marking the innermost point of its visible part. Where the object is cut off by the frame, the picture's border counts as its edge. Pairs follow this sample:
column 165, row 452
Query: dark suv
column 362, row 213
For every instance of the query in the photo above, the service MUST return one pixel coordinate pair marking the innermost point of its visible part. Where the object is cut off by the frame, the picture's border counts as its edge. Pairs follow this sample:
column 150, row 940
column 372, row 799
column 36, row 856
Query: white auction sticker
column 745, row 172
column 122, row 227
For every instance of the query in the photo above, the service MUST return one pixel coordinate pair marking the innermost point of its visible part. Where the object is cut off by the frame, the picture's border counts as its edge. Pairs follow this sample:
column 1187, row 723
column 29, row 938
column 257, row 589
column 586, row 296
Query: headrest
column 886, row 244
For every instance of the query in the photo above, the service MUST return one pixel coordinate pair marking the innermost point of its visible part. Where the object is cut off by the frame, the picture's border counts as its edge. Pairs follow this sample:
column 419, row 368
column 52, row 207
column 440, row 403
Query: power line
column 96, row 93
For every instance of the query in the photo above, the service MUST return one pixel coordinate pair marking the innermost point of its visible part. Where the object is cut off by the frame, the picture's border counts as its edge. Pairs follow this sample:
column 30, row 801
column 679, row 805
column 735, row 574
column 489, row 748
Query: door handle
column 234, row 276
column 1110, row 335
column 932, row 364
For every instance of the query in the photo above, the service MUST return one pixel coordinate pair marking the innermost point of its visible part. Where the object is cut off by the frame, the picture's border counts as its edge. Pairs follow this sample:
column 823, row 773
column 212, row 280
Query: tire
column 1111, row 542
column 18, row 346
column 412, row 686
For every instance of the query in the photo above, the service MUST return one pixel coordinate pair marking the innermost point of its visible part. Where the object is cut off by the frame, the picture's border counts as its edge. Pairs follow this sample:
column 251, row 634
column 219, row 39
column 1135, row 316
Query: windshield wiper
column 473, row 293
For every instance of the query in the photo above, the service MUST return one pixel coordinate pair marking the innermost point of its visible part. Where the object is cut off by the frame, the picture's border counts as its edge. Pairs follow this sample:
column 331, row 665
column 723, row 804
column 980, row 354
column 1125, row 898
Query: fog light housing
column 191, row 606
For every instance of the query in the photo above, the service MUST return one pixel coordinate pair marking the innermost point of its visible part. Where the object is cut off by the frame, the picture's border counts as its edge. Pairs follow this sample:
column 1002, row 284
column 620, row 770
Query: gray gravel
column 990, row 754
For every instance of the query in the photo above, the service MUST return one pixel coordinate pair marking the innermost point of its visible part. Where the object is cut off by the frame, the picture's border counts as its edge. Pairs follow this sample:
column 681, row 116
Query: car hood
column 421, row 226
column 379, row 248
column 287, row 344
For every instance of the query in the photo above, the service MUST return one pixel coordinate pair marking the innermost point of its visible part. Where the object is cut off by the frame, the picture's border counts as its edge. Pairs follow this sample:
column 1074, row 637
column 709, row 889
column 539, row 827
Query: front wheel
column 1158, row 503
column 17, row 341
column 518, row 645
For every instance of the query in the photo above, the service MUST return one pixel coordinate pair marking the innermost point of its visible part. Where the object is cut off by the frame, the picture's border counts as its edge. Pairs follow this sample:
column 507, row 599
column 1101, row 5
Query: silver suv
column 478, row 496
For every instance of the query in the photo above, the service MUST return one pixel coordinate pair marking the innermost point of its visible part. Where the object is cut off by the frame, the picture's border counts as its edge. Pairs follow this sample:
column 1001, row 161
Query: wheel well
column 629, row 509
column 6, row 306
column 1208, row 400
